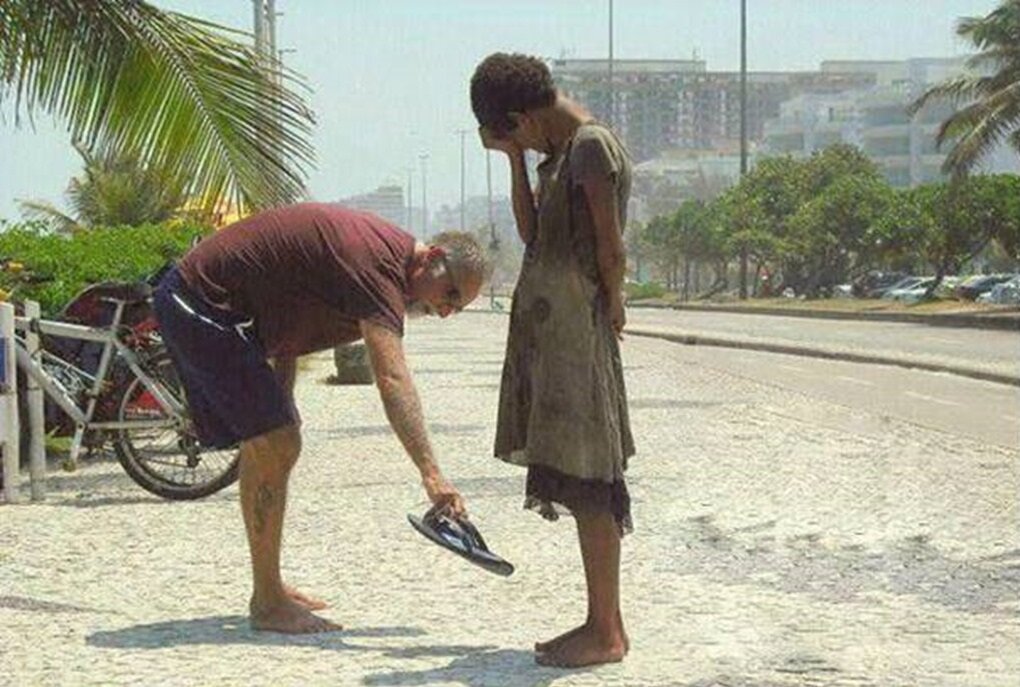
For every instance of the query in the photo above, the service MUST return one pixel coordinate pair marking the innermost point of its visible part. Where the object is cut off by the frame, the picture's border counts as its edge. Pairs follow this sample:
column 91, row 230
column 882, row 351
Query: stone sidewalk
column 781, row 541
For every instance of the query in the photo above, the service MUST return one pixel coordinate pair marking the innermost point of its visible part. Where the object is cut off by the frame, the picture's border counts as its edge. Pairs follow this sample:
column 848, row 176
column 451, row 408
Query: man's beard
column 417, row 309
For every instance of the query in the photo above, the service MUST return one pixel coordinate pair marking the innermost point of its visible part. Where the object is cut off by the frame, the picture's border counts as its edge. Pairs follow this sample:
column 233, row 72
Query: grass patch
column 848, row 305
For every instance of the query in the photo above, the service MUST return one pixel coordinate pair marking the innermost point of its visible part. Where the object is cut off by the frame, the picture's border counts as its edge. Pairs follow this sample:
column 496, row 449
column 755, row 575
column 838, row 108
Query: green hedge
column 87, row 257
column 638, row 291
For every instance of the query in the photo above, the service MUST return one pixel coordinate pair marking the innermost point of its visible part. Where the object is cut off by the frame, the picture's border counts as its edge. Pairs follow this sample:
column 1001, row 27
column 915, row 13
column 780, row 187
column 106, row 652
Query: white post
column 9, row 433
column 36, row 420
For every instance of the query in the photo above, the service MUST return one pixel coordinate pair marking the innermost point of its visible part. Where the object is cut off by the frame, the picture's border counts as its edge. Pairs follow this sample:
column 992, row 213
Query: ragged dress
column 563, row 406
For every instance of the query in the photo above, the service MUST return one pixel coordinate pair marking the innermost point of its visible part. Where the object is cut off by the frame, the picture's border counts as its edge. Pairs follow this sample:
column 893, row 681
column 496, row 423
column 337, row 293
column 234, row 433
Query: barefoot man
column 281, row 284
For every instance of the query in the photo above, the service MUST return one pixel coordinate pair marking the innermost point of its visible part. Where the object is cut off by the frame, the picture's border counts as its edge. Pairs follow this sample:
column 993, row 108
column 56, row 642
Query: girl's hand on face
column 491, row 142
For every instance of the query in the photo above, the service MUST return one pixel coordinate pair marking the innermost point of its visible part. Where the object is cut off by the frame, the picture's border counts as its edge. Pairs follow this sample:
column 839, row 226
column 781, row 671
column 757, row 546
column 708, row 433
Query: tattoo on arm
column 403, row 409
column 399, row 397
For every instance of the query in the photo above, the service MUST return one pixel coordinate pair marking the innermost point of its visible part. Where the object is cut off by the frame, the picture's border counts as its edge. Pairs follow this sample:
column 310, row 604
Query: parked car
column 911, row 293
column 974, row 286
column 947, row 287
column 905, row 283
column 843, row 291
column 1005, row 293
column 875, row 283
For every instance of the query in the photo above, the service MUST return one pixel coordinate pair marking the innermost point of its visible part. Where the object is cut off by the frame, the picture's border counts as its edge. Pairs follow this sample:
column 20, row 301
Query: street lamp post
column 743, row 133
column 463, row 134
column 612, row 94
column 423, row 157
column 410, row 201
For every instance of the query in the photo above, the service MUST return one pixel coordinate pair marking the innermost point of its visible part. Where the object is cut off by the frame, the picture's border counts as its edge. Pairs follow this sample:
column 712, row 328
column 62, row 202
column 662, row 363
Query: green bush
column 637, row 291
column 86, row 257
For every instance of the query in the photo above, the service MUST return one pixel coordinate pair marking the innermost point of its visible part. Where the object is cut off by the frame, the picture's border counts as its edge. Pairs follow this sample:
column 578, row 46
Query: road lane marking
column 855, row 380
column 924, row 397
column 790, row 367
column 1011, row 418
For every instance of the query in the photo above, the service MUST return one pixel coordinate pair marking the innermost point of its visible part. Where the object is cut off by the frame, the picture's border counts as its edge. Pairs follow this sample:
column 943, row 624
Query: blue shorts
column 232, row 391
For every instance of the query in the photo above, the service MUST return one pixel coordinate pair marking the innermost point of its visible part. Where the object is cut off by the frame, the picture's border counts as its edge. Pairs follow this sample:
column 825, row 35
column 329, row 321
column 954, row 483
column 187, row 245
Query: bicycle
column 132, row 397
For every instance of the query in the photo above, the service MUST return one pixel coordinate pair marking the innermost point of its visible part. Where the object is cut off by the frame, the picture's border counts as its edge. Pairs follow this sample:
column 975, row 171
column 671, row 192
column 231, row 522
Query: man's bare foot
column 555, row 642
column 585, row 648
column 311, row 603
column 289, row 617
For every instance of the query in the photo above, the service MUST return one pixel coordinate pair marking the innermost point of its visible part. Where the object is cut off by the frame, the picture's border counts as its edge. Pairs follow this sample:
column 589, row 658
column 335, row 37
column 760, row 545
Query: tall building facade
column 876, row 119
column 656, row 105
column 386, row 201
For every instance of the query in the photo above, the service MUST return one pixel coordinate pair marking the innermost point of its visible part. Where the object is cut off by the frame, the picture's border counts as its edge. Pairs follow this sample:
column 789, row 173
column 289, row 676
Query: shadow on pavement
column 806, row 564
column 477, row 667
column 385, row 430
column 26, row 603
column 233, row 629
column 86, row 488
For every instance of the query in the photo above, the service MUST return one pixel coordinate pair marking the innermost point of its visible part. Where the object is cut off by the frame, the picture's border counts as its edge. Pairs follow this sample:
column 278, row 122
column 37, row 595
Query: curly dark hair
column 504, row 83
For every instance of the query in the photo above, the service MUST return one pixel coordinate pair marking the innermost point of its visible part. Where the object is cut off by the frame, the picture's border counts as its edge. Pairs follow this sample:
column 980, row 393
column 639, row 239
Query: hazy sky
column 389, row 78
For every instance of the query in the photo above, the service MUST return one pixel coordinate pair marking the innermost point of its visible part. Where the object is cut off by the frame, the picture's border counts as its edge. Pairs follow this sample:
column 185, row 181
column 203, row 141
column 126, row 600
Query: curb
column 689, row 339
column 988, row 321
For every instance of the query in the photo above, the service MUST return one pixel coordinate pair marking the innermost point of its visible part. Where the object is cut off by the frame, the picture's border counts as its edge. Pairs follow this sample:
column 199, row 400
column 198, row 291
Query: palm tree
column 180, row 94
column 991, row 94
column 114, row 190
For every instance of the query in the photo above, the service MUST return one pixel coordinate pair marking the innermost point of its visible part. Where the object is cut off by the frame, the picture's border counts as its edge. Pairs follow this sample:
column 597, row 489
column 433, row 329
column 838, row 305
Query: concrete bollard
column 352, row 364
column 10, row 434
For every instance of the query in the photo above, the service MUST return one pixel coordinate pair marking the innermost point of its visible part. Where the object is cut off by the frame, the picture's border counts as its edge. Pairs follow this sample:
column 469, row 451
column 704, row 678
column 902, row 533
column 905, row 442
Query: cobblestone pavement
column 781, row 540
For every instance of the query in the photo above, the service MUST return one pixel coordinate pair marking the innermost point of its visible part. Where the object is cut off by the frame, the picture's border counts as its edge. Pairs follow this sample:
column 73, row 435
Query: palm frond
column 182, row 94
column 50, row 214
column 991, row 97
column 959, row 89
column 979, row 127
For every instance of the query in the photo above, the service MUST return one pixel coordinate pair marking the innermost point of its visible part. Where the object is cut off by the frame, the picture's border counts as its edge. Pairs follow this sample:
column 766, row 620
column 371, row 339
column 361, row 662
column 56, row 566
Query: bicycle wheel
column 168, row 462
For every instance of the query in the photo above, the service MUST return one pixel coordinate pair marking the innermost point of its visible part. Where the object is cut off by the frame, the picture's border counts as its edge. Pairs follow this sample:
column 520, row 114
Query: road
column 993, row 349
column 985, row 411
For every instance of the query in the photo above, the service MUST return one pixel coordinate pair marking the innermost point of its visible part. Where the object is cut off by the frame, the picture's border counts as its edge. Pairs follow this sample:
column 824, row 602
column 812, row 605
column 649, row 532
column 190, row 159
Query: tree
column 838, row 232
column 992, row 95
column 181, row 94
column 637, row 246
column 114, row 191
column 955, row 221
column 663, row 242
column 1001, row 211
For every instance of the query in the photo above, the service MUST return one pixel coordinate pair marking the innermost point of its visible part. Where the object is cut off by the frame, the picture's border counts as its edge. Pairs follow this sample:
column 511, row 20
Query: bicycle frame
column 112, row 347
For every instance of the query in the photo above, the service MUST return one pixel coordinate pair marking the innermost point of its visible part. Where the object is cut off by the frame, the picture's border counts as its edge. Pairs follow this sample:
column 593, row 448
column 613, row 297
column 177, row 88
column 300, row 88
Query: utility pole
column 612, row 94
column 493, row 242
column 743, row 133
column 463, row 134
column 423, row 157
column 271, row 28
column 264, row 27
column 259, row 26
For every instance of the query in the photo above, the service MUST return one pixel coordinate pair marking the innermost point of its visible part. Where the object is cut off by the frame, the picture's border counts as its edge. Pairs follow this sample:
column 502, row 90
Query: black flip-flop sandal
column 461, row 537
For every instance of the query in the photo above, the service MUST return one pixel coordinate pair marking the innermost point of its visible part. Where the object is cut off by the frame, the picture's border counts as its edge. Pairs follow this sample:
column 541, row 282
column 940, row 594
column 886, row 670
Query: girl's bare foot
column 550, row 645
column 311, row 603
column 289, row 617
column 585, row 648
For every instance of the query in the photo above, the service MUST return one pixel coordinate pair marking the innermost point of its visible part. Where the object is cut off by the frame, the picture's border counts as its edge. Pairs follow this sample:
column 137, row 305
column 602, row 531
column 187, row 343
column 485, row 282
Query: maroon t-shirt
column 306, row 273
